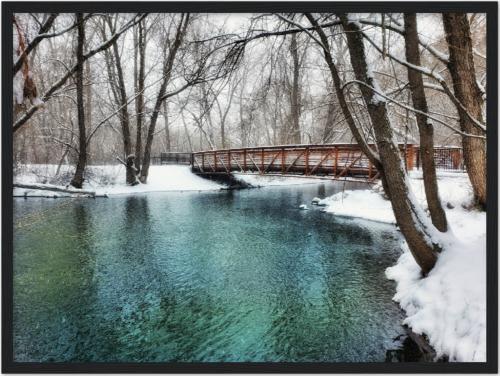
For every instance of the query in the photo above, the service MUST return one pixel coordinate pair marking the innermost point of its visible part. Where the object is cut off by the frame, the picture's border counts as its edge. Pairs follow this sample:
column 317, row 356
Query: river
column 239, row 276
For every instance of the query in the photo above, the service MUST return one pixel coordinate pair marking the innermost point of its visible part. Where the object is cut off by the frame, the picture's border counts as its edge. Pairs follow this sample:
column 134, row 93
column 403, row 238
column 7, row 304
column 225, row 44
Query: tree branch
column 436, row 77
column 43, row 29
column 105, row 45
column 406, row 107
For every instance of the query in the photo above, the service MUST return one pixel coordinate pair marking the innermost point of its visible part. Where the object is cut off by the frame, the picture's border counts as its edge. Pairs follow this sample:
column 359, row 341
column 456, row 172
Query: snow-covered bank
column 365, row 204
column 164, row 178
column 454, row 189
column 109, row 180
column 257, row 180
column 449, row 305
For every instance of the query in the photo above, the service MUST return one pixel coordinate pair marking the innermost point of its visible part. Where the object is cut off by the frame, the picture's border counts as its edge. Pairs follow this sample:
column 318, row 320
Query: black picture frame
column 490, row 8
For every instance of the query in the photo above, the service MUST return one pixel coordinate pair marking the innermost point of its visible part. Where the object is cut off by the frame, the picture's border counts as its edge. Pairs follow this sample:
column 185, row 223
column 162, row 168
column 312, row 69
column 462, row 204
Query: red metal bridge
column 335, row 161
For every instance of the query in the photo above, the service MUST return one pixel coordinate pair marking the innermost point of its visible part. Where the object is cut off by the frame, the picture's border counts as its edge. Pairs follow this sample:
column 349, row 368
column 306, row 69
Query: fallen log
column 54, row 188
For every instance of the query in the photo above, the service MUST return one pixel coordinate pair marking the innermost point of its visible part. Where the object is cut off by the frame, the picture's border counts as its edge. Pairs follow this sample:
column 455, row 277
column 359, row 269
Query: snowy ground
column 110, row 180
column 274, row 180
column 449, row 305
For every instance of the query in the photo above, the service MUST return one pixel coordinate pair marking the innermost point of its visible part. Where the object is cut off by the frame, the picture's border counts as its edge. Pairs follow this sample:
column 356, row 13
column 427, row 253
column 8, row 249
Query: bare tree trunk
column 186, row 130
column 139, row 102
column 410, row 219
column 295, row 95
column 206, row 111
column 63, row 158
column 167, row 127
column 167, row 72
column 223, row 134
column 77, row 180
column 243, row 127
column 330, row 118
column 463, row 74
column 223, row 116
column 88, row 104
column 131, row 175
column 337, row 83
column 367, row 150
column 425, row 127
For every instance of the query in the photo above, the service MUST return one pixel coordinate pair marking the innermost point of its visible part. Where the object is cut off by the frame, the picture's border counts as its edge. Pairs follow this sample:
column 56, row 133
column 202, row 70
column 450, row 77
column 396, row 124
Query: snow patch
column 110, row 180
column 257, row 180
column 449, row 305
column 364, row 204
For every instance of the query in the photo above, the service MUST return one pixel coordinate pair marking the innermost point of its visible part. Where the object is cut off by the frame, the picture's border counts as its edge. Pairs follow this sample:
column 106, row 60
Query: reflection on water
column 227, row 276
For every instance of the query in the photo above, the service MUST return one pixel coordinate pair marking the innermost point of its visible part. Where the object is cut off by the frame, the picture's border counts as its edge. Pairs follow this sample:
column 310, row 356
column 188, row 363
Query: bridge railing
column 172, row 158
column 449, row 158
column 335, row 160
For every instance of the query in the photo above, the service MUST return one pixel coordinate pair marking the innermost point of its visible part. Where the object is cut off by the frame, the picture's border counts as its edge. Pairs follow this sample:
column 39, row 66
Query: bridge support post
column 409, row 156
column 262, row 160
column 307, row 161
column 283, row 161
column 245, row 160
column 336, row 161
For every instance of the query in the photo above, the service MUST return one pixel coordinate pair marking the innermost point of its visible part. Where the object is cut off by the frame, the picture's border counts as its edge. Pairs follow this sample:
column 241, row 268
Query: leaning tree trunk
column 463, row 74
column 337, row 83
column 167, row 72
column 411, row 220
column 77, row 180
column 425, row 127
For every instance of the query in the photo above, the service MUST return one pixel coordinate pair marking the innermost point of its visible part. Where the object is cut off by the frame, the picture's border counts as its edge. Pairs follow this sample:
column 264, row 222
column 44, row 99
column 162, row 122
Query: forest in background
column 279, row 90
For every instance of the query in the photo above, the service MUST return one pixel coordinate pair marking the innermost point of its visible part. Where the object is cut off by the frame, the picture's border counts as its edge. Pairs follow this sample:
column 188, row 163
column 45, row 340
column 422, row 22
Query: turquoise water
column 226, row 276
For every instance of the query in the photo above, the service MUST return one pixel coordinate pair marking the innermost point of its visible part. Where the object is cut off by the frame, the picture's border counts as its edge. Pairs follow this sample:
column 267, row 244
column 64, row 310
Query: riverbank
column 105, row 181
column 110, row 180
column 449, row 305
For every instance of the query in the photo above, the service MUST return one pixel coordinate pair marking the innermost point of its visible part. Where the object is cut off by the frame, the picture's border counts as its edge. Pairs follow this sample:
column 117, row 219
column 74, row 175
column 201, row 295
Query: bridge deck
column 336, row 160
